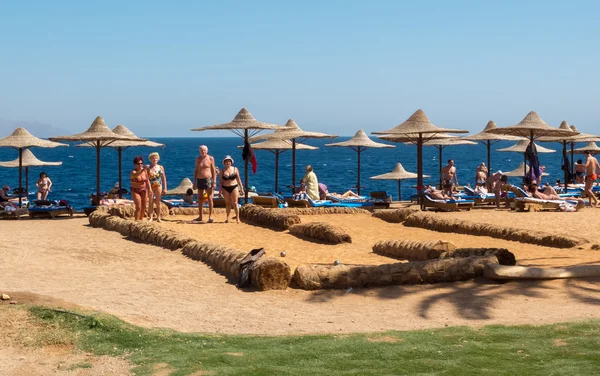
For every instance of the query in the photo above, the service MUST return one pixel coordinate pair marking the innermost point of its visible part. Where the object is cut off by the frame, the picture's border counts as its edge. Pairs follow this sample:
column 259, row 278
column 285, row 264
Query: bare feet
column 226, row 221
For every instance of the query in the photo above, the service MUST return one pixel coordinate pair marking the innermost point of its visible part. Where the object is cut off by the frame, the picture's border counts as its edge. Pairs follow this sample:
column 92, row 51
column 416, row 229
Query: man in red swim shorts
column 591, row 169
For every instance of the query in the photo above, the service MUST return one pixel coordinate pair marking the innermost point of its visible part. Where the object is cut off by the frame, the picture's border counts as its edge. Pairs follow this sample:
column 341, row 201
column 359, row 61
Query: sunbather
column 347, row 194
column 436, row 193
column 549, row 193
column 5, row 200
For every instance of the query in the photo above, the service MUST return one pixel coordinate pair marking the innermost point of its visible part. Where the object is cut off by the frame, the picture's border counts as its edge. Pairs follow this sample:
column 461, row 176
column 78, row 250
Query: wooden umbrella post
column 20, row 175
column 293, row 166
column 246, row 169
column 119, row 151
column 277, row 152
column 97, row 201
column 359, row 150
column 489, row 159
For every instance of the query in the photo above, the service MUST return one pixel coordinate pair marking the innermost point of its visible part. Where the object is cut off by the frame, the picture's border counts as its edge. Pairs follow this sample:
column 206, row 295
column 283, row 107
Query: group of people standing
column 148, row 185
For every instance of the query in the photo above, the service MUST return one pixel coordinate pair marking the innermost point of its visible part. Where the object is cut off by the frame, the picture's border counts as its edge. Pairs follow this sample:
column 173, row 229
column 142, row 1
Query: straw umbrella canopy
column 488, row 139
column 417, row 129
column 521, row 147
column 398, row 174
column 244, row 125
column 359, row 143
column 21, row 139
column 277, row 147
column 28, row 160
column 591, row 146
column 572, row 143
column 99, row 135
column 291, row 131
column 121, row 145
column 520, row 171
column 182, row 188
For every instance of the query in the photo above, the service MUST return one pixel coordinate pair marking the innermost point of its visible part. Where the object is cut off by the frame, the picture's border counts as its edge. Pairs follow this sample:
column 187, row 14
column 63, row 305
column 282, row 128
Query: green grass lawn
column 561, row 349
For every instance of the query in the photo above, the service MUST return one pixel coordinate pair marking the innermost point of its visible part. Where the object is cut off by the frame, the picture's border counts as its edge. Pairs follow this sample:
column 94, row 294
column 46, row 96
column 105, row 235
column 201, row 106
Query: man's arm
column 213, row 171
column 195, row 174
column 455, row 176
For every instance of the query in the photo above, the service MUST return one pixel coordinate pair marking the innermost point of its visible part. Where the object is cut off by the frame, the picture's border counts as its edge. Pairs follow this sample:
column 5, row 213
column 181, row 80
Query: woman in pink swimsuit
column 139, row 187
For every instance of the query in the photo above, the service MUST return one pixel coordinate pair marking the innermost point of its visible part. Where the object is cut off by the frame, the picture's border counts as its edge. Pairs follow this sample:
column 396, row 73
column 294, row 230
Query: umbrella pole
column 358, row 181
column 440, row 165
column 420, row 168
column 26, row 180
column 565, row 162
column 293, row 165
column 246, row 169
column 20, row 174
column 97, row 173
column 489, row 159
column 399, row 190
column 572, row 158
column 119, row 151
column 276, row 170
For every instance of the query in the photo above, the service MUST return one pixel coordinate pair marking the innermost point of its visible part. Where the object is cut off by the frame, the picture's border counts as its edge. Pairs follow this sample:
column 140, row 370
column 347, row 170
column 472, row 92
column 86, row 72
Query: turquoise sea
column 75, row 180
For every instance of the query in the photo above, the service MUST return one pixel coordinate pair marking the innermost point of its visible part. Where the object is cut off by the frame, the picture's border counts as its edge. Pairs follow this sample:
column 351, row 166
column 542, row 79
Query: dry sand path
column 154, row 287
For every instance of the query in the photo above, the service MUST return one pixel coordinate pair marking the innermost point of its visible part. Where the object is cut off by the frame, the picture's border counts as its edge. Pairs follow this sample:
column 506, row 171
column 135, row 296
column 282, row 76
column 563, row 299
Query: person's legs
column 227, row 197
column 234, row 196
column 588, row 191
column 151, row 205
column 144, row 198
column 157, row 198
column 39, row 195
column 200, row 203
column 209, row 194
column 45, row 195
column 137, row 203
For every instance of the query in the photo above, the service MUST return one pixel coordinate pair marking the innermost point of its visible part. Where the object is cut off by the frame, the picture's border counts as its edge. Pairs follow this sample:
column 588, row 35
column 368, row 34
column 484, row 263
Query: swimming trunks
column 591, row 177
column 204, row 183
column 480, row 182
column 230, row 188
column 139, row 191
column 446, row 183
column 580, row 173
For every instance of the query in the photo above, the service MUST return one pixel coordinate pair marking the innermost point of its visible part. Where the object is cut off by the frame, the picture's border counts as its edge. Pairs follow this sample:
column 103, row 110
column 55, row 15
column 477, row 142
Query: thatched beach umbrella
column 291, row 131
column 417, row 129
column 359, row 143
column 182, row 188
column 398, row 174
column 277, row 147
column 20, row 139
column 99, row 135
column 591, row 146
column 488, row 139
column 121, row 145
column 28, row 160
column 520, row 171
column 532, row 127
column 573, row 141
column 564, row 140
column 441, row 143
column 244, row 125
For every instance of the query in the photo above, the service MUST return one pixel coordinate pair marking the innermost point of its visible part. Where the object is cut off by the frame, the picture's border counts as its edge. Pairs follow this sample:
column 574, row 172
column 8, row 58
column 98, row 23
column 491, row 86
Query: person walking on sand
column 231, row 187
column 158, row 185
column 205, row 179
column 44, row 184
column 449, row 176
column 591, row 169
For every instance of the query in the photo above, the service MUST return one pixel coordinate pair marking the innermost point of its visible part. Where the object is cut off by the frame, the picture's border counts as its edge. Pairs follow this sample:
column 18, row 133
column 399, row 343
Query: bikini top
column 230, row 177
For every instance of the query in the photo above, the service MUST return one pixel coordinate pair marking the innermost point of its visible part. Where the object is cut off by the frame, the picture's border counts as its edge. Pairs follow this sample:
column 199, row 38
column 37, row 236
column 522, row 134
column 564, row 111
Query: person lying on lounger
column 436, row 193
column 549, row 193
column 347, row 194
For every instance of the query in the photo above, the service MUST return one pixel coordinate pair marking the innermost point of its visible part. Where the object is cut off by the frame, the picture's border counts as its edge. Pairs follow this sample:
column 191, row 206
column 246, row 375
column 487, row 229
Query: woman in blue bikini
column 231, row 187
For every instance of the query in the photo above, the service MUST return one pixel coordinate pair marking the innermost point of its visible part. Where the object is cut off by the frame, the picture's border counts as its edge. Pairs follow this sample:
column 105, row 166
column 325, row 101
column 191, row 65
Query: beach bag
column 566, row 207
column 246, row 264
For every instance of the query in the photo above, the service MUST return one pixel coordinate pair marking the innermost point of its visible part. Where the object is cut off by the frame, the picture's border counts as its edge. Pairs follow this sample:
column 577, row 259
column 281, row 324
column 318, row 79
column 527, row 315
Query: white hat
column 117, row 185
column 226, row 158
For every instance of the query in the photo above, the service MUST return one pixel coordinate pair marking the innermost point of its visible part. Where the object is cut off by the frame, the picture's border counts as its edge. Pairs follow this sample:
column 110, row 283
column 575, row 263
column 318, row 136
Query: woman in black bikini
column 231, row 187
column 139, row 187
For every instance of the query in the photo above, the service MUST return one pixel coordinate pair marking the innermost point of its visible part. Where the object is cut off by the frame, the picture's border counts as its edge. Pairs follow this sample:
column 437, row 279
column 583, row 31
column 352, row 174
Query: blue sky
column 334, row 66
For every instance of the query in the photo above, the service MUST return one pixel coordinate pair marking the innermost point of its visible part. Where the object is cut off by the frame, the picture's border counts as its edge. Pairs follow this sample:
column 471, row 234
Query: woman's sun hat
column 226, row 158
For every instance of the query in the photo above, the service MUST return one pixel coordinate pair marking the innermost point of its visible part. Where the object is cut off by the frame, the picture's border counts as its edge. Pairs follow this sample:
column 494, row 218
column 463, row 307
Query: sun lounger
column 447, row 204
column 381, row 199
column 11, row 213
column 265, row 201
column 536, row 204
column 51, row 211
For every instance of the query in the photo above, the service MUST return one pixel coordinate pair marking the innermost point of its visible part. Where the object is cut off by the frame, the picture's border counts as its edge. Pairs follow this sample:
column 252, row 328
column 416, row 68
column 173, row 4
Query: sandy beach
column 150, row 286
